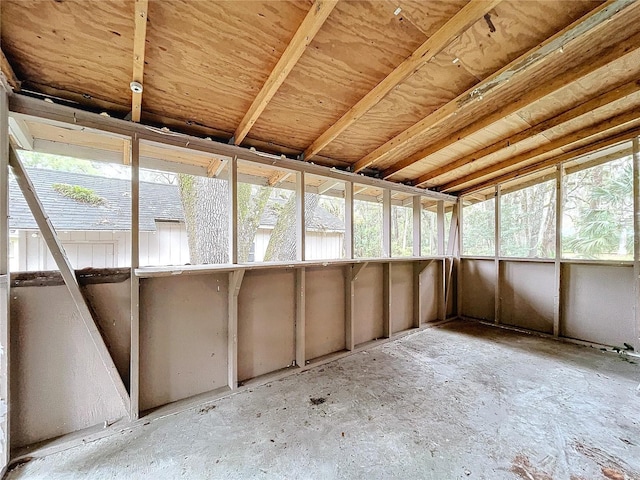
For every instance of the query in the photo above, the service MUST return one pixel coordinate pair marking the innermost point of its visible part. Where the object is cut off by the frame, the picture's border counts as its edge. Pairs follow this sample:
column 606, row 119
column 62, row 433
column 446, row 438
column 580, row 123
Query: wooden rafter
column 550, row 162
column 139, row 38
column 467, row 16
column 618, row 121
column 521, row 66
column 8, row 72
column 612, row 54
column 565, row 117
column 278, row 177
column 312, row 23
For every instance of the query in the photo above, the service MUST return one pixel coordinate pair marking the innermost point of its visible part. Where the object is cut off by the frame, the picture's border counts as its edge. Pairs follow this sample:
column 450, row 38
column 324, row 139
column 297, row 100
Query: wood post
column 301, row 226
column 134, row 363
column 417, row 226
column 66, row 270
column 636, row 232
column 348, row 220
column 496, row 226
column 233, row 209
column 386, row 300
column 300, row 316
column 557, row 297
column 235, row 282
column 5, row 324
column 386, row 223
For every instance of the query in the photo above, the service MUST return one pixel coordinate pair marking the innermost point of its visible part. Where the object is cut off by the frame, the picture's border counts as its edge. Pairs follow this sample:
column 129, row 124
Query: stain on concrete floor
column 460, row 401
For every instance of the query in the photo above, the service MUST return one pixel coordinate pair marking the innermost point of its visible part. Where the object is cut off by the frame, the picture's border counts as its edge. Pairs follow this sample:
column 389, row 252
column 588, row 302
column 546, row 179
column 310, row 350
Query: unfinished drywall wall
column 368, row 298
column 324, row 311
column 401, row 296
column 598, row 304
column 183, row 337
column 111, row 302
column 266, row 322
column 527, row 292
column 58, row 382
column 431, row 291
column 478, row 288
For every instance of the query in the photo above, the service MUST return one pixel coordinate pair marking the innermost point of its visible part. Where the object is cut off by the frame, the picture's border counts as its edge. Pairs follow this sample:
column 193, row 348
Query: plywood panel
column 206, row 61
column 77, row 46
column 266, row 322
column 325, row 311
column 401, row 296
column 597, row 304
column 527, row 292
column 58, row 382
column 359, row 45
column 428, row 89
column 478, row 288
column 482, row 52
column 368, row 299
column 183, row 337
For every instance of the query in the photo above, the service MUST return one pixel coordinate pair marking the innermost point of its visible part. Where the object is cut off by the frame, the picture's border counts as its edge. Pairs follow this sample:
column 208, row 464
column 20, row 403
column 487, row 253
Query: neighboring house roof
column 159, row 202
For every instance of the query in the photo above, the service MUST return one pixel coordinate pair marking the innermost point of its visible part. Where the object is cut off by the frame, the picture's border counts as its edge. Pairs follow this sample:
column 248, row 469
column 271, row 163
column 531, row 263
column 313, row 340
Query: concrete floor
column 460, row 401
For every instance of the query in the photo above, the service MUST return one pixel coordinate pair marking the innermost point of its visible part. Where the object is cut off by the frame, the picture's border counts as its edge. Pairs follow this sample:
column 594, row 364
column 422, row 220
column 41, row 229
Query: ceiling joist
column 139, row 39
column 316, row 17
column 631, row 116
column 602, row 100
column 7, row 71
column 461, row 21
column 607, row 57
column 550, row 162
column 521, row 66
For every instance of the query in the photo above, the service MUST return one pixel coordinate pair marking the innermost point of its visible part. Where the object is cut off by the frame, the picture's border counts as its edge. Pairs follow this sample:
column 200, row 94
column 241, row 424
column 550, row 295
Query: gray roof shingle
column 159, row 202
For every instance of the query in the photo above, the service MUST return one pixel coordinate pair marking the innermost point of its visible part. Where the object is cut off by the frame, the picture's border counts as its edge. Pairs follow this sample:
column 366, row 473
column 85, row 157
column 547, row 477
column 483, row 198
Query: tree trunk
column 204, row 202
column 282, row 243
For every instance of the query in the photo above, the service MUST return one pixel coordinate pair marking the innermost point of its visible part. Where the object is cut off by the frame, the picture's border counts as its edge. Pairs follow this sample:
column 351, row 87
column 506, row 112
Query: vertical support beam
column 235, row 282
column 68, row 275
column 386, row 299
column 497, row 253
column 417, row 226
column 348, row 220
column 557, row 297
column 233, row 210
column 134, row 363
column 301, row 226
column 386, row 223
column 300, row 316
column 636, row 232
column 5, row 407
column 349, row 306
column 440, row 224
column 458, row 256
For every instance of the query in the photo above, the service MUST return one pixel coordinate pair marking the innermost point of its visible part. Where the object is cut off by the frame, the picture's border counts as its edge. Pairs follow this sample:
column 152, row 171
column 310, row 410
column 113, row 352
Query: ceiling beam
column 8, row 72
column 328, row 185
column 562, row 142
column 520, row 67
column 461, row 21
column 594, row 103
column 307, row 30
column 550, row 162
column 528, row 98
column 139, row 39
column 278, row 177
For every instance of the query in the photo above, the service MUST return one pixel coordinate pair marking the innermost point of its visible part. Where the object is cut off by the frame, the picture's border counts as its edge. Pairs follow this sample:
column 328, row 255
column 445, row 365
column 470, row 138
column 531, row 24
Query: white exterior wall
column 103, row 249
column 168, row 245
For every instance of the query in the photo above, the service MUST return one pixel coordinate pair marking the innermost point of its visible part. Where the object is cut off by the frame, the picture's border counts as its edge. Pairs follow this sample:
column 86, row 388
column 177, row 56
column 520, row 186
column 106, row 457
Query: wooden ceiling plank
column 520, row 66
column 467, row 16
column 580, row 135
column 308, row 29
column 587, row 149
column 278, row 177
column 532, row 96
column 601, row 100
column 7, row 70
column 139, row 39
